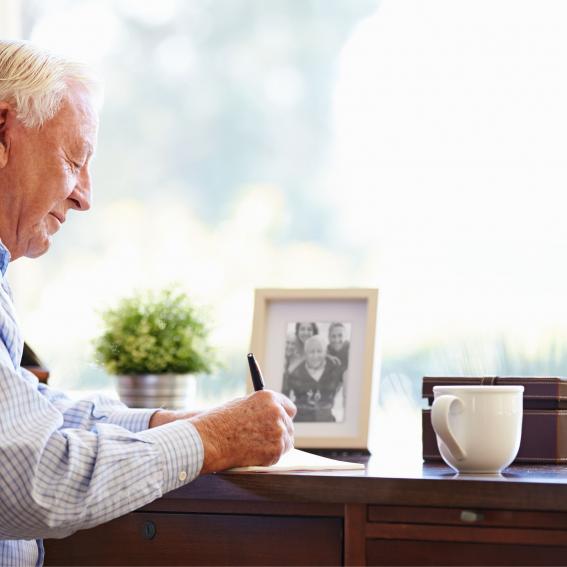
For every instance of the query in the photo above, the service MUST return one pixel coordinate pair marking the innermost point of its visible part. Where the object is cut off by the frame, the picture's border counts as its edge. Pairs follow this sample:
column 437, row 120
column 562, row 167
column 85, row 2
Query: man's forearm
column 161, row 417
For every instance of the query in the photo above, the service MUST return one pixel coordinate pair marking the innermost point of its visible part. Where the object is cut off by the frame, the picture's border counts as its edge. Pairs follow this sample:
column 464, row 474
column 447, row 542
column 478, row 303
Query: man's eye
column 75, row 167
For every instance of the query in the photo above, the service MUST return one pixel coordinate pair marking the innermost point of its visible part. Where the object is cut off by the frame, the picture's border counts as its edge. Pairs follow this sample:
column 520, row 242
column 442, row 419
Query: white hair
column 315, row 339
column 35, row 80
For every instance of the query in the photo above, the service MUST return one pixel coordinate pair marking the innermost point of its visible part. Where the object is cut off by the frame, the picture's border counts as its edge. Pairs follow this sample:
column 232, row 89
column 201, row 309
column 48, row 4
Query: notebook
column 296, row 460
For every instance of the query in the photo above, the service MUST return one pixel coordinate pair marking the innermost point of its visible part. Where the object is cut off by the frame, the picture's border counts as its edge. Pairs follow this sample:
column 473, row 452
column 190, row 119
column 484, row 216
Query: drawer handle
column 149, row 530
column 471, row 517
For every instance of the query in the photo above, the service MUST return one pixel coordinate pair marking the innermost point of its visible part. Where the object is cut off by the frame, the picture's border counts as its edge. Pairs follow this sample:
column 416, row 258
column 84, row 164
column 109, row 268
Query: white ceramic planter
column 169, row 391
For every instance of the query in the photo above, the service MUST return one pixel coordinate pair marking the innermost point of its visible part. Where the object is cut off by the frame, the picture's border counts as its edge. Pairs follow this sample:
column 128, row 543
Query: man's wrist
column 161, row 417
column 181, row 449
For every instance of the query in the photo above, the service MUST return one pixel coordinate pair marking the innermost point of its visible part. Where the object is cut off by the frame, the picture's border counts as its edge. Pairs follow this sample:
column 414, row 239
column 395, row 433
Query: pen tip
column 250, row 355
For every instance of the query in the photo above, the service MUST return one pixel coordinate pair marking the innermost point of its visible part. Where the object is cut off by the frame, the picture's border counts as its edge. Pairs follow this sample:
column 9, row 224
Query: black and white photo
column 316, row 368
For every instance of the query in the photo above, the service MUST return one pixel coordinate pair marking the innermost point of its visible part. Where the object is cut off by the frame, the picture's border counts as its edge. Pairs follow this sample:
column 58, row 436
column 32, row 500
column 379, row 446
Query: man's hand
column 255, row 430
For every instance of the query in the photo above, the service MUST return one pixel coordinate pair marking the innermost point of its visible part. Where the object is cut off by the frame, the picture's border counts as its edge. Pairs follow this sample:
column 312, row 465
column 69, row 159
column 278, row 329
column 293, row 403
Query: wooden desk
column 412, row 515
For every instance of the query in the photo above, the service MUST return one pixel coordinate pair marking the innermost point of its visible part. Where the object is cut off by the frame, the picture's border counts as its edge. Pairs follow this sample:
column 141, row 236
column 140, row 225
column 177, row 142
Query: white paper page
column 296, row 460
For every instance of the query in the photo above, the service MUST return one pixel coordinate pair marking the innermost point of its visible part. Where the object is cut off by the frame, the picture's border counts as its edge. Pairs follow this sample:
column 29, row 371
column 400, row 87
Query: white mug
column 478, row 428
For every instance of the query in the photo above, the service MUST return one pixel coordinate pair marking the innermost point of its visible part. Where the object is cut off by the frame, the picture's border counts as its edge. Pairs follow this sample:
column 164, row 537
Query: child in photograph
column 338, row 345
column 314, row 384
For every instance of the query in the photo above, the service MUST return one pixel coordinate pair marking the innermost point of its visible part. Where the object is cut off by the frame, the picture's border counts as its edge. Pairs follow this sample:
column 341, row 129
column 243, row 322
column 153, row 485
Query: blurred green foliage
column 224, row 94
column 202, row 103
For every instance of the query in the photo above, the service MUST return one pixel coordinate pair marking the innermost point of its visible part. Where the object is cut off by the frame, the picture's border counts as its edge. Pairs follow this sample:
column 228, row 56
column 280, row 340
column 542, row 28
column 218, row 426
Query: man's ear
column 5, row 114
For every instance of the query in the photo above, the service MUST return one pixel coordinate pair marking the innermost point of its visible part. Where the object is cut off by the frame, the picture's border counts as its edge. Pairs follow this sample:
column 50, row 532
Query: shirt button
column 182, row 476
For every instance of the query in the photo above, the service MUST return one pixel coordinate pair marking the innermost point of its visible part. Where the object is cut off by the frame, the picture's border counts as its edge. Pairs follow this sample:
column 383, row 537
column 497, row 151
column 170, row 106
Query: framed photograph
column 317, row 346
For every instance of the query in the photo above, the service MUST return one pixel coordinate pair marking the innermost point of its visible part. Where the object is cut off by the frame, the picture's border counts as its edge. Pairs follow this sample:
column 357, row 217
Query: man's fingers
column 285, row 441
column 279, row 398
column 288, row 424
column 288, row 444
column 288, row 406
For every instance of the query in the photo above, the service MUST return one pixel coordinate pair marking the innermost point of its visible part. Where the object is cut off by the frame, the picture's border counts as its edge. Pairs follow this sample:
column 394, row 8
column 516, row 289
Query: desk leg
column 355, row 534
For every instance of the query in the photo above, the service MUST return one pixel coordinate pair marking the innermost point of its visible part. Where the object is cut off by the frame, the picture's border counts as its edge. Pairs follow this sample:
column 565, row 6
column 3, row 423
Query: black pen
column 256, row 373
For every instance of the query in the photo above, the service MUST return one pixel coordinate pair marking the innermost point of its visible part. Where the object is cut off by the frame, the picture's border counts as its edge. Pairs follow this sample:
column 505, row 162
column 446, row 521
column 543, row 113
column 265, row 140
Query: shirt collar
column 4, row 258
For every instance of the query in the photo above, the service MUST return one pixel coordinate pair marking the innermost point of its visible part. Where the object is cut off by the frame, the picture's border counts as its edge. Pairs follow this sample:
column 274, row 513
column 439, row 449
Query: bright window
column 414, row 146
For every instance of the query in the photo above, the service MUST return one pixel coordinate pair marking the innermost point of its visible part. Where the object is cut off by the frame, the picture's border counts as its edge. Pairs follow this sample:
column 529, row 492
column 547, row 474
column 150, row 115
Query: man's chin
column 38, row 247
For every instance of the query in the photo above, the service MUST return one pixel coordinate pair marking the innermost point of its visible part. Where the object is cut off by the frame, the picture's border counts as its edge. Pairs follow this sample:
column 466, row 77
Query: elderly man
column 68, row 465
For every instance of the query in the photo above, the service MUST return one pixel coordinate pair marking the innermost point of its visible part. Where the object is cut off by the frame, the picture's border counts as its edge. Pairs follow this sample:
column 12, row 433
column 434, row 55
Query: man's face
column 337, row 337
column 314, row 354
column 290, row 346
column 44, row 172
column 304, row 331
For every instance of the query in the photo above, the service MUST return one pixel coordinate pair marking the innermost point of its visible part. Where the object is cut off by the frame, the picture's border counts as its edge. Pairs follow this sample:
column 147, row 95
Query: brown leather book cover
column 544, row 437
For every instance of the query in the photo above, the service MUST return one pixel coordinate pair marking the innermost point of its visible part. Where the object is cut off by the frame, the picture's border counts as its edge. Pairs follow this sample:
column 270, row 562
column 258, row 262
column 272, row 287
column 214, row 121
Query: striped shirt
column 69, row 465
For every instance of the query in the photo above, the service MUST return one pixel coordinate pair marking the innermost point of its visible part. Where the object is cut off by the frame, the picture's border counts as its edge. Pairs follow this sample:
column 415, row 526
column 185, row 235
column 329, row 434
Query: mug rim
column 478, row 389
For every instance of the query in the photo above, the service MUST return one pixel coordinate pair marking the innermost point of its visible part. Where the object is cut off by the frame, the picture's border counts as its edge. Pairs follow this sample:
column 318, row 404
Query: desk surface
column 538, row 487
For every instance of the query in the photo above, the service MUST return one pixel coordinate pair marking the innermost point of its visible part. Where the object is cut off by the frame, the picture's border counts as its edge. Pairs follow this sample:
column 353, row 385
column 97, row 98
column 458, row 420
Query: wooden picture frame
column 328, row 418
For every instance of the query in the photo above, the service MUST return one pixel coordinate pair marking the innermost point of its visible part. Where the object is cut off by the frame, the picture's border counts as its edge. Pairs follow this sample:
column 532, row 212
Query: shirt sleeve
column 56, row 479
column 86, row 413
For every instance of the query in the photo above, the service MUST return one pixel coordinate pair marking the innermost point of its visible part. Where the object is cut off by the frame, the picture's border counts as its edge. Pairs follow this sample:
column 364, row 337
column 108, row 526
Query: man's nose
column 81, row 196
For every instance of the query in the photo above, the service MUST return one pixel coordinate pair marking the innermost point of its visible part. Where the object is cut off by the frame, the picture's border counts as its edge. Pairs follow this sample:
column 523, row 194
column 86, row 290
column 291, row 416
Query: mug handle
column 440, row 421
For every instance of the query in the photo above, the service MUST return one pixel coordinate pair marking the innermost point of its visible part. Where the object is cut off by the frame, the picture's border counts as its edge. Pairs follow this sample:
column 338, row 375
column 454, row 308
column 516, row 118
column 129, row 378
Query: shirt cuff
column 181, row 449
column 134, row 420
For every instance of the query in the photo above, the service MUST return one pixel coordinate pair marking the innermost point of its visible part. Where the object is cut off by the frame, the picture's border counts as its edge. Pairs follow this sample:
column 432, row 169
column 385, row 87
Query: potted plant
column 152, row 342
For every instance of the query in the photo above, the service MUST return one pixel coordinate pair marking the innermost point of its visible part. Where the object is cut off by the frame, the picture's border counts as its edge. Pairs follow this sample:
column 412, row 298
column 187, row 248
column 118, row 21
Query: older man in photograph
column 68, row 465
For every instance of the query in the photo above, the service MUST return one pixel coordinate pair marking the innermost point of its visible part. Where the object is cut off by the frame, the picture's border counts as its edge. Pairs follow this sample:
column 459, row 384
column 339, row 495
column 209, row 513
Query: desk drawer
column 467, row 517
column 402, row 552
column 145, row 538
column 405, row 535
